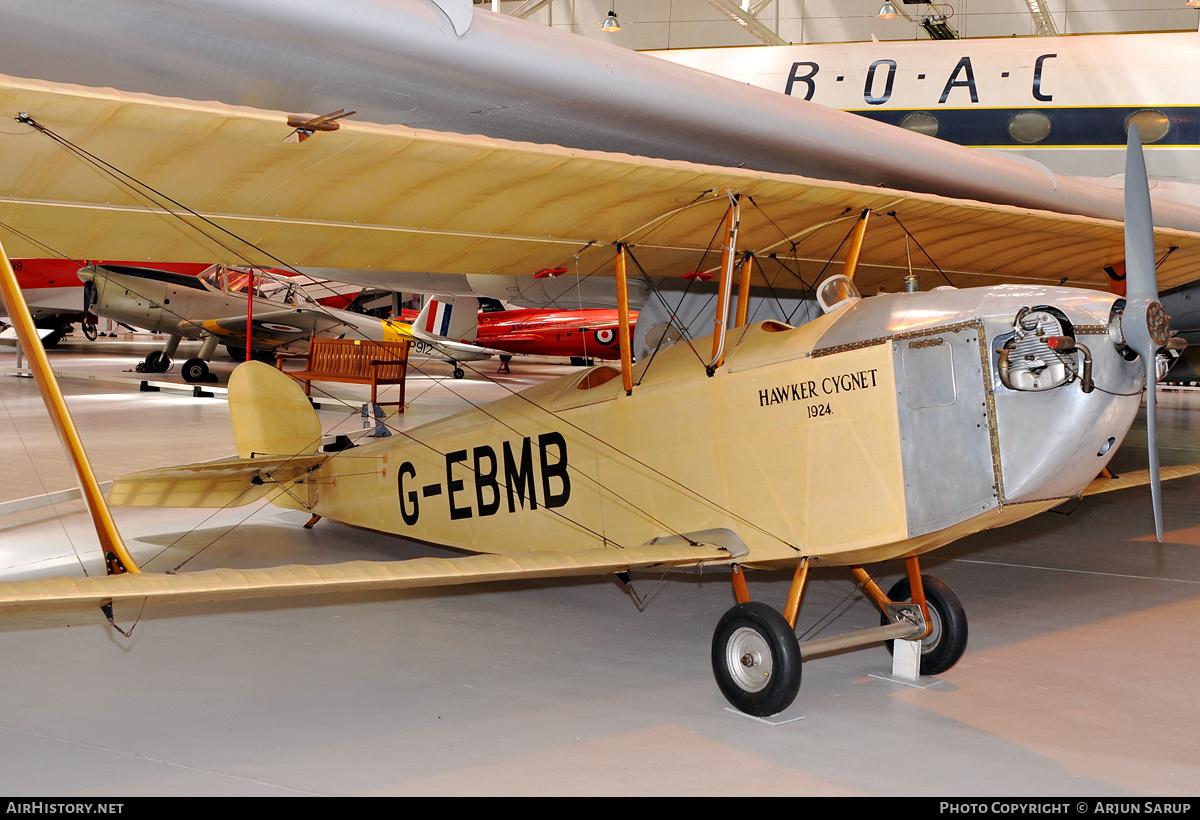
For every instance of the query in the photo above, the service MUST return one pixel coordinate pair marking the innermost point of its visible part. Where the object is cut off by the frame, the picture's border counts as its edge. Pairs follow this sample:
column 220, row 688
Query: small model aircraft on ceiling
column 729, row 451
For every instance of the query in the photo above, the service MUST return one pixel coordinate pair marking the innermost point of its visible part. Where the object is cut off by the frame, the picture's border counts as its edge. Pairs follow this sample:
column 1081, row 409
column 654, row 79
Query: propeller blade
column 1141, row 279
column 1152, row 446
column 1145, row 324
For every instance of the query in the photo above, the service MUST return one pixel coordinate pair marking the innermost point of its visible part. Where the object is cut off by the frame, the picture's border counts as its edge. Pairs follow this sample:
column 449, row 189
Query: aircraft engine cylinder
column 1027, row 361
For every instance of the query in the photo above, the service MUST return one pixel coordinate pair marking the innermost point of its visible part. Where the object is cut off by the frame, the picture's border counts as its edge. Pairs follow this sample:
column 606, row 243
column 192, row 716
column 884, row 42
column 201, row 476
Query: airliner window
column 1029, row 126
column 922, row 122
column 1151, row 125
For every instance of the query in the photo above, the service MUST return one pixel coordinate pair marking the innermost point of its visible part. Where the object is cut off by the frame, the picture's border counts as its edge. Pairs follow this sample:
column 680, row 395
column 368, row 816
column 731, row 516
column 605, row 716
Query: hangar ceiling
column 658, row 24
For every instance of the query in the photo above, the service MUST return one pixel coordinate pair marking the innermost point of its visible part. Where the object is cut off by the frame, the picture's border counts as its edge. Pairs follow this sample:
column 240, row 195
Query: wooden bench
column 352, row 361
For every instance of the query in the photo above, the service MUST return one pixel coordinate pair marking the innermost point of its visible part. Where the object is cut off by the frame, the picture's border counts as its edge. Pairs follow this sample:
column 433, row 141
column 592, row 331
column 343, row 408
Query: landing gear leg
column 756, row 656
column 196, row 370
column 945, row 637
column 755, row 652
column 159, row 361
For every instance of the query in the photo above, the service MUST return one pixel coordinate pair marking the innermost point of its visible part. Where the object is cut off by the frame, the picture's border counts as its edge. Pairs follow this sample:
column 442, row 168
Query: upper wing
column 391, row 198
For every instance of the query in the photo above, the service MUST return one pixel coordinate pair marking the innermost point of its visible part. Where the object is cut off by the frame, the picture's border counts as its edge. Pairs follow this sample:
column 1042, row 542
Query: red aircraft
column 579, row 334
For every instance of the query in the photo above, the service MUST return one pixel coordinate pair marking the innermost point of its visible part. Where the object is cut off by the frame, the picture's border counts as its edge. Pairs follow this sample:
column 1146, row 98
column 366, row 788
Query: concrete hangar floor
column 1080, row 677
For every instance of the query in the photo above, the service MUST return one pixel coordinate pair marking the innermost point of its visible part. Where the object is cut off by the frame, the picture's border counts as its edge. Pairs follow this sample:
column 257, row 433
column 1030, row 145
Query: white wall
column 653, row 24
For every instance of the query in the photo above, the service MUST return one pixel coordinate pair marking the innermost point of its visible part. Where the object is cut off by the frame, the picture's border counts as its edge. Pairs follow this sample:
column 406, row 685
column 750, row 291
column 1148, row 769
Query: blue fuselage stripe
column 1069, row 127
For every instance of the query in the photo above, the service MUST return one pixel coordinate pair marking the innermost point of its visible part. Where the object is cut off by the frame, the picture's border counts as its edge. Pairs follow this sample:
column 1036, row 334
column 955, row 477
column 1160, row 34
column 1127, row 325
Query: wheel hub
column 750, row 662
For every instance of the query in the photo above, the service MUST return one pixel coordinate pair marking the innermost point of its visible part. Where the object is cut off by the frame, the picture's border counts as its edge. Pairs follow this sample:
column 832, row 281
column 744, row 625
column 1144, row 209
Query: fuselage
column 588, row 334
column 54, row 293
column 1062, row 101
column 890, row 426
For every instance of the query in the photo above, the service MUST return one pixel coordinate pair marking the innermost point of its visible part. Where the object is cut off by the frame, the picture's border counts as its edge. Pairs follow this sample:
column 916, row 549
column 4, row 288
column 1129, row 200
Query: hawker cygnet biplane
column 726, row 451
column 226, row 303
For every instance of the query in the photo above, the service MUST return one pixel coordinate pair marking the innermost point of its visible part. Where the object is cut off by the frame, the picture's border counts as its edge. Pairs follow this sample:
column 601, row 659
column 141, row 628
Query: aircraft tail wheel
column 459, row 372
column 947, row 639
column 157, row 362
column 756, row 659
column 195, row 371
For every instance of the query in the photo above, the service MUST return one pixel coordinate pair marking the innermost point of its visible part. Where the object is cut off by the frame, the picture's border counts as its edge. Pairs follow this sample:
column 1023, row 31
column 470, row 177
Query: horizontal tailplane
column 218, row 484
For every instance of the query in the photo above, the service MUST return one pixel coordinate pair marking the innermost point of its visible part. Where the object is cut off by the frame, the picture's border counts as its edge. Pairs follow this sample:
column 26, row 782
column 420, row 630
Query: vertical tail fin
column 270, row 413
column 453, row 318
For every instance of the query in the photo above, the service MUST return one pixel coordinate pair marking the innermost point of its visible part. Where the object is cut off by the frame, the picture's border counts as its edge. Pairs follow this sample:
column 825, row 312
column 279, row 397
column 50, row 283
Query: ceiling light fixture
column 887, row 11
column 612, row 24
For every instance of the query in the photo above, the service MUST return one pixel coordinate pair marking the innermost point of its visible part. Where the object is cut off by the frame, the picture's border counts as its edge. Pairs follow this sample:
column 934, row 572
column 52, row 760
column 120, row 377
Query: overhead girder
column 744, row 16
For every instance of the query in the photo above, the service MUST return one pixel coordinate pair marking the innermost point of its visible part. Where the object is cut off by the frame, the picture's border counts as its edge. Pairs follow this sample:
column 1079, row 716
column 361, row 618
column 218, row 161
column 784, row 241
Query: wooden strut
column 913, row 567
column 738, row 577
column 623, row 320
column 797, row 589
column 917, row 589
column 792, row 610
column 856, row 244
column 743, row 303
column 117, row 557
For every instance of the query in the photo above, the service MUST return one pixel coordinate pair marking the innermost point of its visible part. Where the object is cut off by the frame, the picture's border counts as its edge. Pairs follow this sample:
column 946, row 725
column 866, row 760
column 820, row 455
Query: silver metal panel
column 945, row 439
column 1038, row 430
column 928, row 366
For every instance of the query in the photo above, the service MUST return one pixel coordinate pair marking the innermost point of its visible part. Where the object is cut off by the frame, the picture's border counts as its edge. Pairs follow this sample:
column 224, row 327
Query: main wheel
column 157, row 362
column 459, row 372
column 947, row 638
column 756, row 659
column 195, row 371
column 89, row 330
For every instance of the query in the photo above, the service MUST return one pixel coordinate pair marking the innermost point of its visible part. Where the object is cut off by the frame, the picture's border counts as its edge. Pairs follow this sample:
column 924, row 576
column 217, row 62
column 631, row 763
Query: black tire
column 52, row 339
column 157, row 362
column 89, row 330
column 195, row 371
column 948, row 639
column 756, row 659
column 459, row 372
column 238, row 354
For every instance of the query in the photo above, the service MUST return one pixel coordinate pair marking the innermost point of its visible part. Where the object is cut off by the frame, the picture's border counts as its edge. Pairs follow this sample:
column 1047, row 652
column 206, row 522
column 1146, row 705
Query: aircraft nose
column 86, row 275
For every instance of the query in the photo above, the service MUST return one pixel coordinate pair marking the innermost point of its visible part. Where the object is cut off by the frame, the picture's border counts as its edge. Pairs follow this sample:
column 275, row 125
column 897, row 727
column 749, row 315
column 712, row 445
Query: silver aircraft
column 226, row 303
